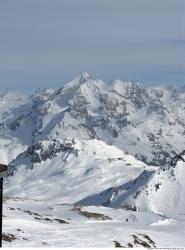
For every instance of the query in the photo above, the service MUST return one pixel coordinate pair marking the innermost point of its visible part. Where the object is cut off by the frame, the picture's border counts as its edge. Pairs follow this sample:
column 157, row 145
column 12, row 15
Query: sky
column 44, row 43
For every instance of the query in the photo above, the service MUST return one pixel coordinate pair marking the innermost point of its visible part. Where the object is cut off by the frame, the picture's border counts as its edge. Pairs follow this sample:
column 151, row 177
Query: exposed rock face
column 47, row 150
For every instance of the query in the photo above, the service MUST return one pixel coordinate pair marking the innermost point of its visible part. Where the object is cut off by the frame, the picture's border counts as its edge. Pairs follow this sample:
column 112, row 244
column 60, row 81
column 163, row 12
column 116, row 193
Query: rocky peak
column 77, row 81
column 84, row 76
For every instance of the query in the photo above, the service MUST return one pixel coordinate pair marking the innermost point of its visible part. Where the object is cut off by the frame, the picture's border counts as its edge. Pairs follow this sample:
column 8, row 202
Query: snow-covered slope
column 33, row 223
column 160, row 191
column 54, row 176
column 69, row 171
column 164, row 190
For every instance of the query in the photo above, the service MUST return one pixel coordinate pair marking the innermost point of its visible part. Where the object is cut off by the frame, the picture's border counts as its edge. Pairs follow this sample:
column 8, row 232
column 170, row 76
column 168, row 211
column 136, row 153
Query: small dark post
column 1, row 210
column 3, row 173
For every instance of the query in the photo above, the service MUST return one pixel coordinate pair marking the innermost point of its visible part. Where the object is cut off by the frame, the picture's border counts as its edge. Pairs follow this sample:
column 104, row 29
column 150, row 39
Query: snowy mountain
column 100, row 151
column 145, row 122
column 66, row 172
column 160, row 191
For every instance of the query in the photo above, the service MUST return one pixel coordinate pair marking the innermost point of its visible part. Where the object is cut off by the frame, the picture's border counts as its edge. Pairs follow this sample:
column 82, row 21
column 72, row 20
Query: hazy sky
column 47, row 42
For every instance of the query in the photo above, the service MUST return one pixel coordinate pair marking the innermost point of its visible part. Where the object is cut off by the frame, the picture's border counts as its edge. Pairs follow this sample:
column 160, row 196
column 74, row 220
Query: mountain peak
column 81, row 78
column 77, row 81
column 85, row 76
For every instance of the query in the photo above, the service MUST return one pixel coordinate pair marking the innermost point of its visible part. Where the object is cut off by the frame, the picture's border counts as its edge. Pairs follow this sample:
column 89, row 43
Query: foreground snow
column 31, row 223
